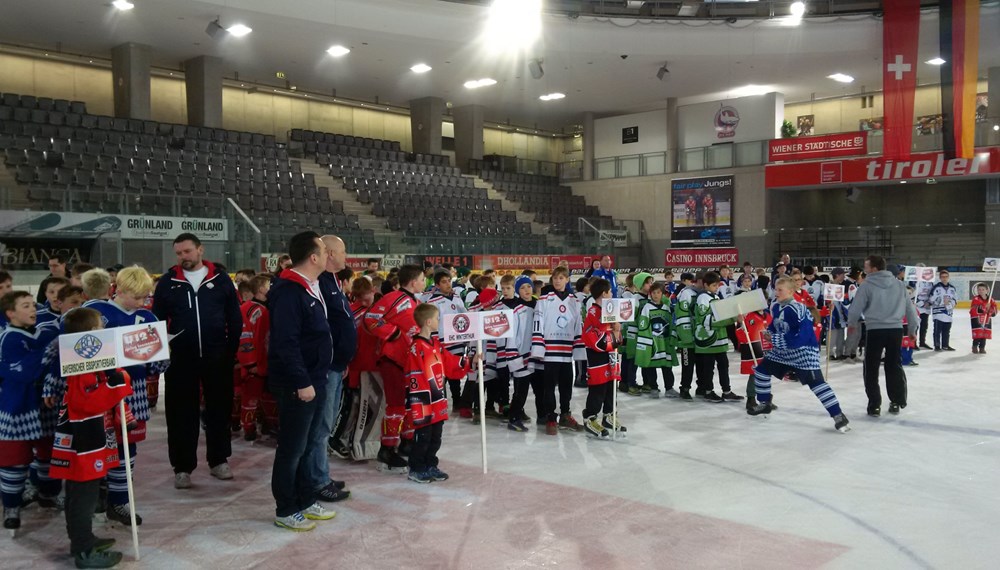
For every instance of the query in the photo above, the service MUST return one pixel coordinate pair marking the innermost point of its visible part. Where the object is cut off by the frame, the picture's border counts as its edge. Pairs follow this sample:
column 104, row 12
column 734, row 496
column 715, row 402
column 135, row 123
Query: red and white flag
column 900, row 35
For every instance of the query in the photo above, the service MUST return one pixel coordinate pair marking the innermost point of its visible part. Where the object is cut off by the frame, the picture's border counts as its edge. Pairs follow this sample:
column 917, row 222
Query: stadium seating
column 553, row 205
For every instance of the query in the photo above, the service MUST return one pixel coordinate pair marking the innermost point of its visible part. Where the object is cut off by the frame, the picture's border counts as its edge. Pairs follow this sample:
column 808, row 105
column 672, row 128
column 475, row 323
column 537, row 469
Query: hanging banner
column 958, row 26
column 31, row 223
column 900, row 34
column 702, row 211
column 818, row 147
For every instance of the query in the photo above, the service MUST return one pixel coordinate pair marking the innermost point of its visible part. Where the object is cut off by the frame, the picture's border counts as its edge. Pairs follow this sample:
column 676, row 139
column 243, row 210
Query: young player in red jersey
column 984, row 308
column 603, row 365
column 252, row 357
column 753, row 347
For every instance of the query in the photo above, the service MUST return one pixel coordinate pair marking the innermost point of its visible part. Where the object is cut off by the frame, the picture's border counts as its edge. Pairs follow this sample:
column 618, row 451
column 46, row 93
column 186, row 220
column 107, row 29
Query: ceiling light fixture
column 215, row 30
column 123, row 5
column 841, row 77
column 421, row 68
column 477, row 83
column 513, row 25
column 936, row 61
column 552, row 96
column 797, row 9
column 239, row 30
column 338, row 51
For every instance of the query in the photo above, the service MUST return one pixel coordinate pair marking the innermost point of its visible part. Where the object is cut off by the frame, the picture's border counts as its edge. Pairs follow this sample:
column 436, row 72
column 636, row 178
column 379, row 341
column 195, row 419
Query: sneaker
column 912, row 363
column 296, row 522
column 731, row 397
column 634, row 391
column 982, row 351
column 840, row 423
column 611, row 422
column 182, row 480
column 437, row 474
column 476, row 420
column 595, row 429
column 420, row 476
column 331, row 494
column 567, row 421
column 102, row 544
column 317, row 512
column 12, row 518
column 647, row 389
column 551, row 428
column 671, row 393
column 975, row 350
column 389, row 461
column 465, row 413
column 525, row 417
column 761, row 408
column 492, row 413
column 250, row 435
column 686, row 395
column 712, row 397
column 221, row 471
column 948, row 349
column 925, row 345
column 121, row 514
column 937, row 349
column 894, row 408
column 654, row 394
column 874, row 412
column 97, row 558
column 516, row 425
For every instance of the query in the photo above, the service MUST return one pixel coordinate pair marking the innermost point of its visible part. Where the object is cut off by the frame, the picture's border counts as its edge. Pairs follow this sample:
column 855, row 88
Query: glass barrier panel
column 654, row 164
column 628, row 166
column 604, row 168
column 720, row 156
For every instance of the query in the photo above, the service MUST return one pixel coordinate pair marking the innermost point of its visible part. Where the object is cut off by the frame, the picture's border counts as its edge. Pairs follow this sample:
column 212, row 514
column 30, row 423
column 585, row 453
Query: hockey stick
column 482, row 401
column 128, row 477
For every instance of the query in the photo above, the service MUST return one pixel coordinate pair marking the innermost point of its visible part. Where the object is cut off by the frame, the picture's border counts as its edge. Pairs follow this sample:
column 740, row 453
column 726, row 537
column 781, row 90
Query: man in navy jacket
column 199, row 302
column 299, row 357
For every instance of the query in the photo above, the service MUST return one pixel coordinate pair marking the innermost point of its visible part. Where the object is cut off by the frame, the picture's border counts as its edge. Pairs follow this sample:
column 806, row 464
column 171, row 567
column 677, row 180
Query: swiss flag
column 900, row 32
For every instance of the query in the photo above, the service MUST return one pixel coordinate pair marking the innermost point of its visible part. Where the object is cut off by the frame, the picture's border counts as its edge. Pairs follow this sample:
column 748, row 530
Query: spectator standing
column 605, row 272
column 201, row 306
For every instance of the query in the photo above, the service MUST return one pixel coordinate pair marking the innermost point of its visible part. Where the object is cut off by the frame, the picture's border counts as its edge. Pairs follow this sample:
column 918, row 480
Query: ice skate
column 595, row 429
column 762, row 408
column 611, row 422
column 121, row 514
column 840, row 423
column 388, row 461
column 12, row 520
column 96, row 558
column 671, row 393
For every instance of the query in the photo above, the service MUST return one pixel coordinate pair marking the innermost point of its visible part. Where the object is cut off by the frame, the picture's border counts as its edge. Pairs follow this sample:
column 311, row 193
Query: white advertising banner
column 54, row 224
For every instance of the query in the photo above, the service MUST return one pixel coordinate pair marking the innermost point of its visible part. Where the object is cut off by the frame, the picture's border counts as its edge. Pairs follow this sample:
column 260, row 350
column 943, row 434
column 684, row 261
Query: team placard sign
column 833, row 293
column 106, row 349
column 467, row 327
column 991, row 264
column 617, row 310
column 920, row 274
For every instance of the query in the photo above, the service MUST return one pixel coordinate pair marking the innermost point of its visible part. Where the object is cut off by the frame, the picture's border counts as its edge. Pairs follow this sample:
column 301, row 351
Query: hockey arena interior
column 499, row 284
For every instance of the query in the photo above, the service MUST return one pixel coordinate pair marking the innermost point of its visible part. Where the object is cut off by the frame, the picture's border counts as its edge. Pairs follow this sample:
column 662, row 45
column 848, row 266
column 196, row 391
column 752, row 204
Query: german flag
column 959, row 38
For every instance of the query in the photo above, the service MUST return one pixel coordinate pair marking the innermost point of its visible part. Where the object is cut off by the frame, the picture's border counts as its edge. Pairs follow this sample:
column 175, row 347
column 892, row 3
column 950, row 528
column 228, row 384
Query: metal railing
column 515, row 164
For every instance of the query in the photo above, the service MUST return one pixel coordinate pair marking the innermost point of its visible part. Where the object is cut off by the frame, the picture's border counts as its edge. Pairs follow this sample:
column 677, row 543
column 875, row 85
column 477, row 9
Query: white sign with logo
column 618, row 310
column 56, row 224
column 105, row 349
column 742, row 304
column 991, row 264
column 734, row 120
column 467, row 327
column 614, row 237
column 833, row 293
column 920, row 274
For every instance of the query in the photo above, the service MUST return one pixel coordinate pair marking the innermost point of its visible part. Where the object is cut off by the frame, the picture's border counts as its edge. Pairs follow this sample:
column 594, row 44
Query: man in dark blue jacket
column 605, row 272
column 199, row 302
column 345, row 341
column 299, row 357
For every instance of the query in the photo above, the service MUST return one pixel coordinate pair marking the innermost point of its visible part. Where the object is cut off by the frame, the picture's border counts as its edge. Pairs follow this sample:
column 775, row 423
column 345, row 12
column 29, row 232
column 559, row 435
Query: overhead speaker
column 535, row 67
column 853, row 194
column 215, row 30
column 663, row 73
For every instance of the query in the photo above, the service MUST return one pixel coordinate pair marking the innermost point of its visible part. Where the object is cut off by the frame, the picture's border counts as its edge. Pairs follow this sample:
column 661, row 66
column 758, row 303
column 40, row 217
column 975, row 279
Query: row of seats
column 44, row 103
column 131, row 145
column 317, row 143
column 305, row 135
column 338, row 160
column 419, row 223
column 265, row 203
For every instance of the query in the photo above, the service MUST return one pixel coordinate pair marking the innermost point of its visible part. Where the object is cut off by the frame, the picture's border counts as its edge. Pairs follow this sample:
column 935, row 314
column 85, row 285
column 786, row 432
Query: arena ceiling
column 602, row 63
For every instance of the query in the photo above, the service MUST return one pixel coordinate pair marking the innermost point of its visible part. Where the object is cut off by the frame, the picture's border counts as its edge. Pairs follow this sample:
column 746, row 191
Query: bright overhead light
column 477, row 83
column 123, row 5
column 239, row 30
column 936, row 61
column 552, row 96
column 749, row 90
column 513, row 24
column 338, row 51
column 841, row 77
column 420, row 68
column 797, row 9
column 996, row 127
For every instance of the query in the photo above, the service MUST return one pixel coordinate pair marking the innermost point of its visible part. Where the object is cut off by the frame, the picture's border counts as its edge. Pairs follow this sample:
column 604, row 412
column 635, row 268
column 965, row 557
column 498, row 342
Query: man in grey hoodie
column 884, row 302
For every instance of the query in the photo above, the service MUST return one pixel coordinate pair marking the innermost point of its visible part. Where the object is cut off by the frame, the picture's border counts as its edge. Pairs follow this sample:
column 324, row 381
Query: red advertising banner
column 503, row 263
column 573, row 262
column 707, row 257
column 818, row 147
column 879, row 169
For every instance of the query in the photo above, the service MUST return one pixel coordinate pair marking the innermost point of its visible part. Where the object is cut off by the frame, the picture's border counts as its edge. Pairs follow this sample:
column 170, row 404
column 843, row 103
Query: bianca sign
column 467, row 327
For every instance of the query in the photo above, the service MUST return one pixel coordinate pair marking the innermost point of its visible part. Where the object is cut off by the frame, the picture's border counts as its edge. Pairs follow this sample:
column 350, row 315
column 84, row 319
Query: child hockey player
column 448, row 303
column 85, row 448
column 517, row 356
column 838, row 317
column 601, row 340
column 252, row 355
column 794, row 348
column 943, row 298
column 753, row 346
column 428, row 364
column 711, row 344
column 582, row 292
column 341, row 442
column 50, row 310
column 498, row 389
column 984, row 308
column 22, row 438
column 654, row 349
column 555, row 338
column 686, row 297
column 641, row 282
column 134, row 284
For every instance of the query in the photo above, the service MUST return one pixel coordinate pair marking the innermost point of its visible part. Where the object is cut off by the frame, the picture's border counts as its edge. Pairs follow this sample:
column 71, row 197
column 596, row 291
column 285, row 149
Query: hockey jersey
column 22, row 367
column 683, row 314
column 515, row 351
column 923, row 297
column 981, row 313
column 792, row 335
column 655, row 336
column 449, row 305
column 630, row 329
column 85, row 446
column 709, row 334
column 943, row 299
column 390, row 320
column 603, row 362
column 253, row 339
column 556, row 329
column 428, row 365
column 753, row 345
column 365, row 356
column 46, row 315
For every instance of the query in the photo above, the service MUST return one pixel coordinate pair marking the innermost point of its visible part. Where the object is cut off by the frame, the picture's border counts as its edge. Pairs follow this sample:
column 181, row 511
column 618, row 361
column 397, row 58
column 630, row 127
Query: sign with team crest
column 106, row 349
column 467, row 327
column 617, row 310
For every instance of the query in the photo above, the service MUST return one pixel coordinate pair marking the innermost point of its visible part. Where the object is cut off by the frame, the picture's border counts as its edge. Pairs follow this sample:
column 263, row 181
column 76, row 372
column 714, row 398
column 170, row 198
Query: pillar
column 203, row 83
column 589, row 142
column 425, row 125
column 468, row 134
column 672, row 136
column 130, row 73
column 993, row 88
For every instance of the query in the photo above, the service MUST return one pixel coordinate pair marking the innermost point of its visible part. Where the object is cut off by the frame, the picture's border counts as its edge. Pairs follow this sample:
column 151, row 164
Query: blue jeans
column 322, row 426
column 290, row 482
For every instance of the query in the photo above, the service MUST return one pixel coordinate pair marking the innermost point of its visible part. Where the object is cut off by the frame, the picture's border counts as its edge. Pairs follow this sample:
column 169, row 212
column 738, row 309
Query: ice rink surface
column 695, row 485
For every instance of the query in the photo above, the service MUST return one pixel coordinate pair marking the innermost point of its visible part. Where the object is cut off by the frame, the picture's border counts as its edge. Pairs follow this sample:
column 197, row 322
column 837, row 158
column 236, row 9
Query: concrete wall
column 652, row 134
column 522, row 145
column 647, row 199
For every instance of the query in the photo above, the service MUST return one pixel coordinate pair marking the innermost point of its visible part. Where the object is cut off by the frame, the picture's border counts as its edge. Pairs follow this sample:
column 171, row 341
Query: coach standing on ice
column 200, row 304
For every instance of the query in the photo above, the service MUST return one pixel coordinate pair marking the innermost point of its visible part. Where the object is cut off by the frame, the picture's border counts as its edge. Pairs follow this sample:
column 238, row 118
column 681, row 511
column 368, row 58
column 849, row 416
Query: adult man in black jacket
column 200, row 304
